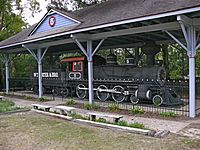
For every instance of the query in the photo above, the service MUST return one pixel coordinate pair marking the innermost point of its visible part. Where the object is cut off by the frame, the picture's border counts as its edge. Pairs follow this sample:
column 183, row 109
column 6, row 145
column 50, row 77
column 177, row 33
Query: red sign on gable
column 52, row 21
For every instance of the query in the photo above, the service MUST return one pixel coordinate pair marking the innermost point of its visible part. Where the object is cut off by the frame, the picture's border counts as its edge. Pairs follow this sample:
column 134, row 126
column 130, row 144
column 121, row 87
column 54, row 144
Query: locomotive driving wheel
column 118, row 94
column 134, row 100
column 81, row 91
column 157, row 100
column 102, row 93
column 65, row 92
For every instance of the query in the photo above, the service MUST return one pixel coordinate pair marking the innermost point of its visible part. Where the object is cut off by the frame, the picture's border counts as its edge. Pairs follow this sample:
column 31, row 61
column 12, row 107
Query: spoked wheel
column 81, row 91
column 56, row 92
column 134, row 100
column 102, row 93
column 35, row 89
column 157, row 100
column 118, row 94
column 65, row 92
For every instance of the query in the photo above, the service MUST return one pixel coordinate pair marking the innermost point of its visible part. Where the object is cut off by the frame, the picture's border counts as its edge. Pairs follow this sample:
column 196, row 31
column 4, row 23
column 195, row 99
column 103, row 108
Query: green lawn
column 33, row 131
column 6, row 105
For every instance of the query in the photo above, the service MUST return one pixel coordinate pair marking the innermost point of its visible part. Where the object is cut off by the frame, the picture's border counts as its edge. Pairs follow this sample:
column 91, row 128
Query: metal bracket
column 34, row 55
column 86, row 52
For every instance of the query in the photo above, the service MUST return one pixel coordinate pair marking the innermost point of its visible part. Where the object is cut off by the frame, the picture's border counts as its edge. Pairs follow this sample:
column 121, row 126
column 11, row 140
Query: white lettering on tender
column 47, row 74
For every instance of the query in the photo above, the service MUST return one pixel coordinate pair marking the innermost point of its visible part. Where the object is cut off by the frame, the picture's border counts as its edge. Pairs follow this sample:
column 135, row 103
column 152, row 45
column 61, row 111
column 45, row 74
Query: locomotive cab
column 73, row 67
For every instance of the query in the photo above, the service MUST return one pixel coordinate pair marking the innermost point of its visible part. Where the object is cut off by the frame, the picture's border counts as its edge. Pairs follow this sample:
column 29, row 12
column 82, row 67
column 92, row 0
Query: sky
column 37, row 17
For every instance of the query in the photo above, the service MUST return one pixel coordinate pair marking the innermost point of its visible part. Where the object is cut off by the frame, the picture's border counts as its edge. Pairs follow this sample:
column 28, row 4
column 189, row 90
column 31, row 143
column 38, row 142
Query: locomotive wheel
column 118, row 93
column 65, row 92
column 56, row 91
column 157, row 100
column 134, row 100
column 35, row 89
column 101, row 94
column 81, row 91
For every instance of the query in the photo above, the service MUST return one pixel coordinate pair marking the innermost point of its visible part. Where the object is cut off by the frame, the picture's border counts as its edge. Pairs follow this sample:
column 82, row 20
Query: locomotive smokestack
column 150, row 50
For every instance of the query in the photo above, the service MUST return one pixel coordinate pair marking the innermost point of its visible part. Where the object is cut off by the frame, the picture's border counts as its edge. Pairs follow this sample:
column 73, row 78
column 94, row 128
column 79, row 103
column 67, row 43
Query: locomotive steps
column 153, row 133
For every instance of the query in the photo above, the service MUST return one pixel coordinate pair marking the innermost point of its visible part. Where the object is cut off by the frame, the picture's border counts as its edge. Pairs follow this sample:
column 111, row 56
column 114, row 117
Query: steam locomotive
column 111, row 81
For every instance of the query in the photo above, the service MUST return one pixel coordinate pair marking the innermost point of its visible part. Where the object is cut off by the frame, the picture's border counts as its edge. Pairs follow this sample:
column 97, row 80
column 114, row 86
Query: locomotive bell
column 150, row 50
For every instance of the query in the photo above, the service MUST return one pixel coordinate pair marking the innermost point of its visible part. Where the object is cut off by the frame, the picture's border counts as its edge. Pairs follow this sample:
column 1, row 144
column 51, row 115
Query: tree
column 73, row 4
column 12, row 20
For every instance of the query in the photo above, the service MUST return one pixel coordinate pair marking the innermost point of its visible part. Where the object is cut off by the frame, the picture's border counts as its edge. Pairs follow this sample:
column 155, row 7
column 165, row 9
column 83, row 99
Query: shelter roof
column 104, row 14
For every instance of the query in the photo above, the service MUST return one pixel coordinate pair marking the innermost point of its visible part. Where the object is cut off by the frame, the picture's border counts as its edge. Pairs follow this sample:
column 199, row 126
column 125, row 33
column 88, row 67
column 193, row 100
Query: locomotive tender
column 111, row 81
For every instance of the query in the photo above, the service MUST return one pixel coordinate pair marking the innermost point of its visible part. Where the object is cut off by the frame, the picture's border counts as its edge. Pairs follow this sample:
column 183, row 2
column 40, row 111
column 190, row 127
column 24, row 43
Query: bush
column 102, row 120
column 70, row 102
column 77, row 116
column 137, row 110
column 122, row 123
column 137, row 125
column 27, row 97
column 168, row 114
column 42, row 99
column 113, row 107
column 91, row 106
column 7, row 106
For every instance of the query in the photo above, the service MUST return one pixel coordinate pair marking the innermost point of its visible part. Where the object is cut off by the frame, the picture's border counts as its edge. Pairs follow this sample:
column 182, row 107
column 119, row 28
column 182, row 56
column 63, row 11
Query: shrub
column 137, row 110
column 3, row 94
column 137, row 125
column 102, row 120
column 6, row 105
column 113, row 107
column 168, row 114
column 77, row 116
column 42, row 99
column 122, row 123
column 27, row 97
column 91, row 106
column 70, row 102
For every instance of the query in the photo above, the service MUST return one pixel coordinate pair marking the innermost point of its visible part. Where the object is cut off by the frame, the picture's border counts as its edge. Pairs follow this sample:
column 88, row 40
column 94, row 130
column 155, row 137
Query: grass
column 27, row 97
column 6, row 106
column 77, row 116
column 137, row 110
column 70, row 102
column 35, row 131
column 42, row 99
column 91, row 106
column 113, row 107
column 102, row 120
column 168, row 114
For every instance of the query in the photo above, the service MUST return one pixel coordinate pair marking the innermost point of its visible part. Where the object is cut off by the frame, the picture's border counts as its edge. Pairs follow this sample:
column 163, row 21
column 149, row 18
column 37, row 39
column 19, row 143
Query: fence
column 180, row 87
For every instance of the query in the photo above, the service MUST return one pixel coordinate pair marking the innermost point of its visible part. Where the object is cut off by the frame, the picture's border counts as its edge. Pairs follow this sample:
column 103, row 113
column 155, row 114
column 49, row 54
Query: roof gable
column 52, row 21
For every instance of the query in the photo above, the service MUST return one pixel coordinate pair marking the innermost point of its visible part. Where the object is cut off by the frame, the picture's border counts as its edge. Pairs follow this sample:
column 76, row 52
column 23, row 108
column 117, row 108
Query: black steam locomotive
column 111, row 81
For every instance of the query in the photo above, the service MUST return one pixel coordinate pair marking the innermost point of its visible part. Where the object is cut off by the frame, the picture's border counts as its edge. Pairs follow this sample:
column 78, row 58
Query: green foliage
column 137, row 110
column 102, row 120
column 74, row 5
column 23, row 65
column 27, row 97
column 42, row 99
column 178, row 62
column 122, row 123
column 91, row 106
column 6, row 105
column 113, row 107
column 77, row 116
column 71, row 102
column 137, row 125
column 131, row 125
column 168, row 114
